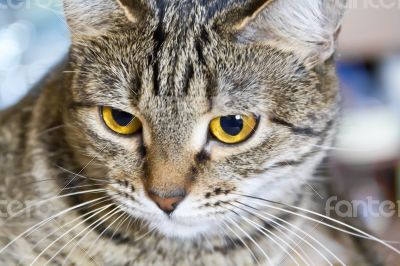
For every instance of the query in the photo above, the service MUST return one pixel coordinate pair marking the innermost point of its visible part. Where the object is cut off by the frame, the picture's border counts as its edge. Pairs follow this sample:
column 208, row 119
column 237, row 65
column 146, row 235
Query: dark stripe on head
column 159, row 38
column 135, row 88
column 188, row 77
column 200, row 43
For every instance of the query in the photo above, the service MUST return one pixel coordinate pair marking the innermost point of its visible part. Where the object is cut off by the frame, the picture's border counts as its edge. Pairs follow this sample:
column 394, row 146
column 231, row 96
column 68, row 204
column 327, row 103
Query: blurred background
column 366, row 158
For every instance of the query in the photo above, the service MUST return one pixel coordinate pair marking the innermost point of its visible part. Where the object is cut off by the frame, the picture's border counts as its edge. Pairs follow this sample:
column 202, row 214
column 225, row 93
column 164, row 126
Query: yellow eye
column 120, row 122
column 233, row 129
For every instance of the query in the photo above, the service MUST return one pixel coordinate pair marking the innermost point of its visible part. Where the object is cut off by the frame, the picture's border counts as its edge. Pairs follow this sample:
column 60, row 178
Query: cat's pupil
column 232, row 124
column 122, row 118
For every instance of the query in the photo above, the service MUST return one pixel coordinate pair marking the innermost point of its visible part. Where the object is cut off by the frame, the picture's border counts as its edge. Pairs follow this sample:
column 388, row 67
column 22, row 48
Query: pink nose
column 168, row 205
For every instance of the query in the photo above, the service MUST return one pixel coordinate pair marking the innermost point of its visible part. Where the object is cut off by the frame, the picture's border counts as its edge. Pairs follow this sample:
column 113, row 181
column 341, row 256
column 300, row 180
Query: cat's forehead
column 188, row 66
column 165, row 110
column 189, row 71
column 178, row 65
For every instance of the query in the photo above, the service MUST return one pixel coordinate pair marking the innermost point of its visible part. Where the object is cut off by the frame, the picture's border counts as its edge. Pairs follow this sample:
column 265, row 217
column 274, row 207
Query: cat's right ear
column 95, row 17
column 309, row 27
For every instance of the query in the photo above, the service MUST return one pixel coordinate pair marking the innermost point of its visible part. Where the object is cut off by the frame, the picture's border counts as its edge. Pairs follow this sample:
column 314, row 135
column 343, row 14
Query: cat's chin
column 173, row 228
column 177, row 227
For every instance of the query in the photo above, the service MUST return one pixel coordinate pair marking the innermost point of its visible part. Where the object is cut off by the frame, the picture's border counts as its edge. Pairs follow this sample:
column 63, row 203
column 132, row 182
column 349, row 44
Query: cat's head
column 187, row 106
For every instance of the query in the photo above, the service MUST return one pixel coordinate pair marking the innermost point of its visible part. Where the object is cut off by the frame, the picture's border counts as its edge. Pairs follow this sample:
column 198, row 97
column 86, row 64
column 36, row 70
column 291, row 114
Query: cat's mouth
column 182, row 223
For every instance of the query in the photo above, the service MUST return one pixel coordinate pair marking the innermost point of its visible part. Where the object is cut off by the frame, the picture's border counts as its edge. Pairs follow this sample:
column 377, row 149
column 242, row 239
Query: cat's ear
column 94, row 17
column 310, row 26
column 134, row 9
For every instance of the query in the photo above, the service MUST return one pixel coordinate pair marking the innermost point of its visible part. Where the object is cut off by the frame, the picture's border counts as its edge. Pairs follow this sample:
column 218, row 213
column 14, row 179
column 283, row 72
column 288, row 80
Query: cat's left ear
column 310, row 27
column 95, row 17
column 133, row 9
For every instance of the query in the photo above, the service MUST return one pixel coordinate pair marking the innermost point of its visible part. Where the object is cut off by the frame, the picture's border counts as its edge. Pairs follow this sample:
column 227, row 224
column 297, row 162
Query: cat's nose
column 167, row 203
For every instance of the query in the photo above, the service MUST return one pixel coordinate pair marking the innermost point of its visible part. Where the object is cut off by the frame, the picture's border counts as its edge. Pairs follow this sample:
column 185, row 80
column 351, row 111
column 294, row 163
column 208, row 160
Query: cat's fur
column 176, row 65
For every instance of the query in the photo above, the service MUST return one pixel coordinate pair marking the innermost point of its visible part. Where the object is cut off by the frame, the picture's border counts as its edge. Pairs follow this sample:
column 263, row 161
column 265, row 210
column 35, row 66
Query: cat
column 178, row 133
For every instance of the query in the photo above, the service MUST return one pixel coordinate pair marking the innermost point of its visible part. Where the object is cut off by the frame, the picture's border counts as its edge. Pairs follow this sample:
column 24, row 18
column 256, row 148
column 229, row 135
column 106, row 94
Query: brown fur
column 175, row 65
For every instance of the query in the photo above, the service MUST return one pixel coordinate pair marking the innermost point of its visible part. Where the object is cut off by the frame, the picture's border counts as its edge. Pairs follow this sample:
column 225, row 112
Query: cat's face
column 216, row 105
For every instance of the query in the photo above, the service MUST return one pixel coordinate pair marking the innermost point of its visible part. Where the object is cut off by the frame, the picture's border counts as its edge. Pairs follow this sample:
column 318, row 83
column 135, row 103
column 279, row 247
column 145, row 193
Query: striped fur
column 176, row 65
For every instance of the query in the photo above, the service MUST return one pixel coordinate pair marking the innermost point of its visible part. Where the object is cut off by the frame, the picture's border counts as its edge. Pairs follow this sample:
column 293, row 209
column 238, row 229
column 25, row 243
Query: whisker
column 38, row 225
column 76, row 175
column 243, row 242
column 96, row 224
column 266, row 231
column 284, row 258
column 119, row 225
column 84, row 186
column 225, row 233
column 80, row 172
column 128, row 227
column 100, row 221
column 67, row 232
column 361, row 234
column 251, row 239
column 71, row 222
column 257, row 228
column 145, row 234
column 332, row 148
column 300, row 230
column 50, row 199
column 105, row 230
column 57, row 178
column 52, row 129
column 37, row 182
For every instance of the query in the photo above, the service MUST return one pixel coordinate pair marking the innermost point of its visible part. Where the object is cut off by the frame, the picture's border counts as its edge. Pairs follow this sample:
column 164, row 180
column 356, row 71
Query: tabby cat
column 178, row 133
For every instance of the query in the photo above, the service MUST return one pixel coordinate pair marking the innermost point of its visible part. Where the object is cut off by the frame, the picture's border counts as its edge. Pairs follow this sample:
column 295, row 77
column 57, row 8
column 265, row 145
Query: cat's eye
column 233, row 129
column 119, row 121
